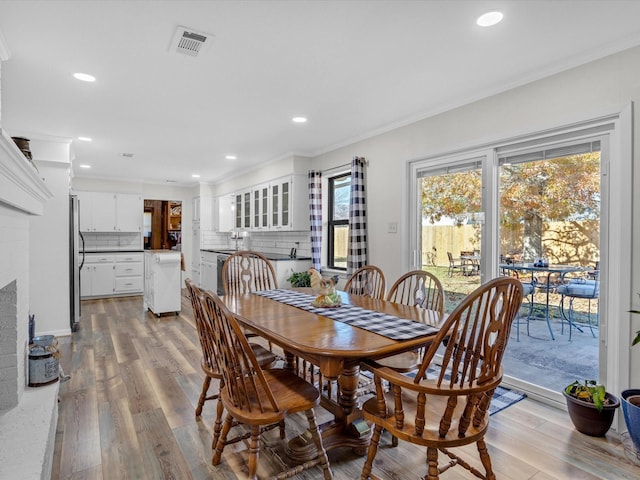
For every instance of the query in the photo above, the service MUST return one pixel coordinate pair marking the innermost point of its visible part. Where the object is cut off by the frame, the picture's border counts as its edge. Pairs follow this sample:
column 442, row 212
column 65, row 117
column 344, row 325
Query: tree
column 562, row 189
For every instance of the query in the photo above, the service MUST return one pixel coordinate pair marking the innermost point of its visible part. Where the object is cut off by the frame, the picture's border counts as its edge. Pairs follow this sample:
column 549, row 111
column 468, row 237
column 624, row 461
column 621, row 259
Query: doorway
column 162, row 225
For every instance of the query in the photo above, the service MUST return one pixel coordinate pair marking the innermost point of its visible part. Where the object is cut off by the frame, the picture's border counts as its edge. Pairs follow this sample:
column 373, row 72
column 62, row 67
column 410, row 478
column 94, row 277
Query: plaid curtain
column 357, row 250
column 315, row 217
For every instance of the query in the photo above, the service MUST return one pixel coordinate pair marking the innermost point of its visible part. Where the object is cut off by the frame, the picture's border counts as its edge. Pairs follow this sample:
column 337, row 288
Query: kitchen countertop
column 274, row 257
column 112, row 251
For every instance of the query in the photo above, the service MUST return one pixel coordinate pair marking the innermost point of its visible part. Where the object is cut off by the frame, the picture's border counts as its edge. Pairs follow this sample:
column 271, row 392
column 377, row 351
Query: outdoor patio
column 536, row 358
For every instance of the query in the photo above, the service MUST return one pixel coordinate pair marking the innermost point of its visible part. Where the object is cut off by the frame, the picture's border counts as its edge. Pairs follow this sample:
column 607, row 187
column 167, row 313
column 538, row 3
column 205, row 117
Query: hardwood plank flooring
column 127, row 412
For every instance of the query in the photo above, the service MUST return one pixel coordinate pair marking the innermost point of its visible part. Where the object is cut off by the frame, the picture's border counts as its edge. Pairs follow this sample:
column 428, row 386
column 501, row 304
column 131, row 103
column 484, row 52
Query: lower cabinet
column 209, row 272
column 97, row 278
column 105, row 275
column 129, row 273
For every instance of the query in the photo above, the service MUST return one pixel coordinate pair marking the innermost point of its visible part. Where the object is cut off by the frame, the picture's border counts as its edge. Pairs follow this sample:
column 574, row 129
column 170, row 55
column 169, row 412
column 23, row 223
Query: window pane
column 341, row 191
column 340, row 241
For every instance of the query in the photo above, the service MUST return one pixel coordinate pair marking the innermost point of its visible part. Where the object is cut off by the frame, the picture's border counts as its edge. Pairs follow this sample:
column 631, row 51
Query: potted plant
column 631, row 404
column 299, row 279
column 591, row 408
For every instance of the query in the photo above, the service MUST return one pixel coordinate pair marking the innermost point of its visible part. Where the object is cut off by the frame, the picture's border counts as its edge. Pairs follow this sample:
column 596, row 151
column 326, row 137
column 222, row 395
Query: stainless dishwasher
column 219, row 283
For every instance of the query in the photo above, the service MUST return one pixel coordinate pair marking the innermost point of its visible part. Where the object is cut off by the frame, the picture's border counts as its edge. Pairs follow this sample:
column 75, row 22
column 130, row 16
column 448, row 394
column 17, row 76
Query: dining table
column 335, row 341
column 549, row 269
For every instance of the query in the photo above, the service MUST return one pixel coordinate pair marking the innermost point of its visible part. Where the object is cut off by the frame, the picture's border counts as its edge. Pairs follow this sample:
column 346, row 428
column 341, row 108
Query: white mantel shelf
column 20, row 185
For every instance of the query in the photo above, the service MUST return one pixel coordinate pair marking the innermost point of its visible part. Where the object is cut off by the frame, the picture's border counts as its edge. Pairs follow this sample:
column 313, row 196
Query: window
column 339, row 191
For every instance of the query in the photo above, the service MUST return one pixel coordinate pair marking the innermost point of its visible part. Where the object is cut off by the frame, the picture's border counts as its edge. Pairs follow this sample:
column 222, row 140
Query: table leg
column 347, row 429
column 548, row 322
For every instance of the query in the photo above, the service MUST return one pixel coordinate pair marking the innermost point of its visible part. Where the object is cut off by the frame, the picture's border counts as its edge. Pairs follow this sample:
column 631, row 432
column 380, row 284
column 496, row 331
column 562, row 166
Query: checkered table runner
column 387, row 325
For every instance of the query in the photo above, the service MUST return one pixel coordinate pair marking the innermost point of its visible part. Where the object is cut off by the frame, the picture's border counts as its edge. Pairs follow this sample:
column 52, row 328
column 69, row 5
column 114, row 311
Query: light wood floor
column 128, row 413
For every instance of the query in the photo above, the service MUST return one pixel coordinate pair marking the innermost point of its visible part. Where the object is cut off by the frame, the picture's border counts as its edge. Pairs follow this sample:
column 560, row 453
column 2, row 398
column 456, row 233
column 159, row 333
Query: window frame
column 332, row 223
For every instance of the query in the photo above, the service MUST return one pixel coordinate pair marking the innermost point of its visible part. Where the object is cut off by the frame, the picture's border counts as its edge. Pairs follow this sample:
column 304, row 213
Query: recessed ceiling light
column 489, row 19
column 231, row 157
column 85, row 139
column 299, row 120
column 85, row 77
column 195, row 175
column 84, row 166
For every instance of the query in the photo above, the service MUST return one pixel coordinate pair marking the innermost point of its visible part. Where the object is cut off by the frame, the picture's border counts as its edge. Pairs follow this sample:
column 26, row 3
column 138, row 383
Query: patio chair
column 471, row 258
column 455, row 264
column 586, row 288
column 368, row 281
column 528, row 292
column 449, row 409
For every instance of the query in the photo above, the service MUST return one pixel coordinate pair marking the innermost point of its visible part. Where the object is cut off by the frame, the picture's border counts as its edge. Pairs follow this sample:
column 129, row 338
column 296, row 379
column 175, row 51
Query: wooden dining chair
column 257, row 397
column 415, row 288
column 419, row 288
column 368, row 281
column 208, row 361
column 247, row 271
column 449, row 408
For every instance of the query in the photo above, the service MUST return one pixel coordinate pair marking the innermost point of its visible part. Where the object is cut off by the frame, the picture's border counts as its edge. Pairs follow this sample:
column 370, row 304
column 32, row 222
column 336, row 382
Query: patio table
column 562, row 270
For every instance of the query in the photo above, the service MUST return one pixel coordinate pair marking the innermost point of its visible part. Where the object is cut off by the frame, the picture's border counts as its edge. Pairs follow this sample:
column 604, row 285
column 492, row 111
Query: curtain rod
column 366, row 162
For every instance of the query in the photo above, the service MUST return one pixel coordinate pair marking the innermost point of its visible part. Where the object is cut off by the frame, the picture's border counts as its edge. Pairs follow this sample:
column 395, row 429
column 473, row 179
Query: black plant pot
column 587, row 419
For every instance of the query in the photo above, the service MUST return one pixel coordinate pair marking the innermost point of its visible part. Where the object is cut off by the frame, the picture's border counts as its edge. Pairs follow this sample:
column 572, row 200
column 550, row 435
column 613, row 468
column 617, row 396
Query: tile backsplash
column 96, row 242
column 269, row 242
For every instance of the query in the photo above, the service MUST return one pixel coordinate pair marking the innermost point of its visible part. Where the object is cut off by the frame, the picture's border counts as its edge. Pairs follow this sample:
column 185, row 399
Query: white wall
column 575, row 95
column 49, row 241
column 49, row 254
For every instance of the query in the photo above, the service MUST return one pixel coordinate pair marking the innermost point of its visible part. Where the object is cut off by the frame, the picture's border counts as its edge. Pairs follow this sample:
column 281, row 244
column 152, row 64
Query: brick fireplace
column 28, row 416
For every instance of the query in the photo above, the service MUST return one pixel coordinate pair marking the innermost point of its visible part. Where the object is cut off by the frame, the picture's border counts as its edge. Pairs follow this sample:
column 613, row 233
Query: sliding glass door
column 450, row 230
column 541, row 200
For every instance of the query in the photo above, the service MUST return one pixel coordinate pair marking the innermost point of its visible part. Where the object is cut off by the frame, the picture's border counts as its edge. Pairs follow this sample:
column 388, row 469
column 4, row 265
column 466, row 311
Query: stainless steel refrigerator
column 76, row 260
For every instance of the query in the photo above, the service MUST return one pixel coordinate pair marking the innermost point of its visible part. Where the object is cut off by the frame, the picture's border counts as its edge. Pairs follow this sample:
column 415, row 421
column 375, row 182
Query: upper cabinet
column 282, row 204
column 110, row 212
column 129, row 212
column 260, row 207
column 226, row 213
column 289, row 204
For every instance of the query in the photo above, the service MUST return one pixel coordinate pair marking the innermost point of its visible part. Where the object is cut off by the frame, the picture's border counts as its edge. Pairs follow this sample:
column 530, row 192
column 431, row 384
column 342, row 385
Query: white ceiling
column 354, row 68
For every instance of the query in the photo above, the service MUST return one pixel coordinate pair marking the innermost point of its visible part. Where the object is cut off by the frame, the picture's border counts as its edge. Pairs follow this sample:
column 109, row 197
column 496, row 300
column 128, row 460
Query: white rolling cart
column 162, row 280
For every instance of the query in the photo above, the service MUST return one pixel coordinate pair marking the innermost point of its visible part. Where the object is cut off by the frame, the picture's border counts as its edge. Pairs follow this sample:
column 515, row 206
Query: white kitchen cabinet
column 205, row 212
column 106, row 275
column 128, row 273
column 97, row 276
column 242, row 209
column 209, row 271
column 110, row 212
column 260, row 207
column 226, row 213
column 97, row 211
column 195, row 203
column 162, row 281
column 289, row 204
column 129, row 212
column 208, row 276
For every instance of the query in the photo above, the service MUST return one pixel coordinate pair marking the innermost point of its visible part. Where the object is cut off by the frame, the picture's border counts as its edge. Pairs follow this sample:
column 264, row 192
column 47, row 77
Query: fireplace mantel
column 20, row 185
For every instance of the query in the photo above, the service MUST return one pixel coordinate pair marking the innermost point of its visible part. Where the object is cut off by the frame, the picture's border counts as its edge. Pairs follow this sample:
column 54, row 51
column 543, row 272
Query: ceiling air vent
column 190, row 42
